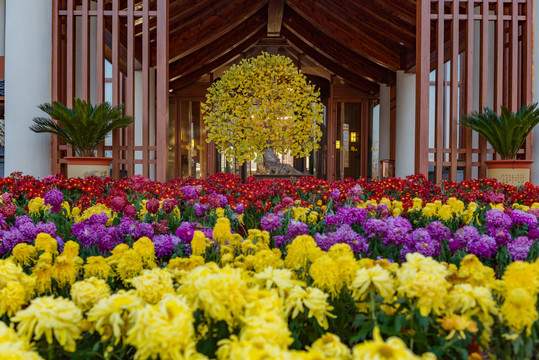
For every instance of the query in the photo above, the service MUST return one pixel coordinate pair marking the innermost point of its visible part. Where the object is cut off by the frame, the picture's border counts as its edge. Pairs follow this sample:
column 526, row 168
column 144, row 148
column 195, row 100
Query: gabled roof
column 362, row 41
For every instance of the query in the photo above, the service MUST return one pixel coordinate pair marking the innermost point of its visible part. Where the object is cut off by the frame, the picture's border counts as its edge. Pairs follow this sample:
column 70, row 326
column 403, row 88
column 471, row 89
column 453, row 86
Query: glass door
column 349, row 146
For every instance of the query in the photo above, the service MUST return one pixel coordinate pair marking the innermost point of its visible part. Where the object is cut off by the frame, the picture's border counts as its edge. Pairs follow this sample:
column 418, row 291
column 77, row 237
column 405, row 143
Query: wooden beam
column 361, row 42
column 211, row 28
column 218, row 47
column 359, row 16
column 339, row 54
column 193, row 76
column 349, row 76
column 162, row 94
column 422, row 87
column 275, row 17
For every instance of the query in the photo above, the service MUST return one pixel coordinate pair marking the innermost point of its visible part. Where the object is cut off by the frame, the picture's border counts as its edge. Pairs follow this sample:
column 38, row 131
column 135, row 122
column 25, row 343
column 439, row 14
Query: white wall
column 2, row 27
column 405, row 127
column 28, row 84
column 535, row 149
column 385, row 122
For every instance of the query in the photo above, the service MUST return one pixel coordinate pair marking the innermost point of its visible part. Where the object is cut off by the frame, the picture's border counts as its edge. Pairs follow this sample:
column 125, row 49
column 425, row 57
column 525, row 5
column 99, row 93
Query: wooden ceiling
column 363, row 42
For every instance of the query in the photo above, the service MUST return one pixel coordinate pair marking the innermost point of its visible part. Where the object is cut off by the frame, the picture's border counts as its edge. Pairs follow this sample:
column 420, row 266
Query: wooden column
column 422, row 86
column 454, row 87
column 130, row 89
column 331, row 132
column 145, row 88
column 55, row 79
column 440, row 92
column 162, row 90
column 468, row 81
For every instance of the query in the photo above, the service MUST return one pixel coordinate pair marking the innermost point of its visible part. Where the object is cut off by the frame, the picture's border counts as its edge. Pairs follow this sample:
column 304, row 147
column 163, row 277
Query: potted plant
column 83, row 127
column 264, row 106
column 506, row 133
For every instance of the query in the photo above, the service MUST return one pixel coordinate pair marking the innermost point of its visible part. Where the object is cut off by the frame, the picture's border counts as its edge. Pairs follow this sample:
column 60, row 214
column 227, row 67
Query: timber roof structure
column 363, row 42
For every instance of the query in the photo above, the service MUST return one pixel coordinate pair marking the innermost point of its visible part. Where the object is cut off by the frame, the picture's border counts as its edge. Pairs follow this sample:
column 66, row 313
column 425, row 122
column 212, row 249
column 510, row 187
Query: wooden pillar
column 145, row 88
column 162, row 90
column 422, row 86
column 331, row 132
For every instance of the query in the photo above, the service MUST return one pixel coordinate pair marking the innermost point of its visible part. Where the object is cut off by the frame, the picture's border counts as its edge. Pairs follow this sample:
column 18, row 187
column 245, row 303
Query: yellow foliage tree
column 261, row 106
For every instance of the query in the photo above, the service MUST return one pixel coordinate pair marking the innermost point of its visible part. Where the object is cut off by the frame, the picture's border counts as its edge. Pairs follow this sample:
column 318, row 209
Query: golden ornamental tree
column 262, row 106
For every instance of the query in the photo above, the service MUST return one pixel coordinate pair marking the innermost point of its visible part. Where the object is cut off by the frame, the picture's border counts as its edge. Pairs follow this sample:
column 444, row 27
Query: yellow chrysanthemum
column 71, row 249
column 85, row 294
column 50, row 316
column 111, row 315
column 325, row 274
column 457, row 324
column 145, row 247
column 198, row 243
column 392, row 349
column 375, row 278
column 428, row 289
column 519, row 310
column 330, row 346
column 220, row 212
column 259, row 238
column 221, row 231
column 220, row 293
column 129, row 265
column 45, row 242
column 12, row 298
column 264, row 258
column 42, row 273
column 36, row 205
column 236, row 349
column 317, row 302
column 179, row 267
column 152, row 285
column 12, row 347
column 164, row 330
column 97, row 266
column 298, row 252
column 268, row 327
column 280, row 279
column 24, row 254
column 64, row 271
column 94, row 210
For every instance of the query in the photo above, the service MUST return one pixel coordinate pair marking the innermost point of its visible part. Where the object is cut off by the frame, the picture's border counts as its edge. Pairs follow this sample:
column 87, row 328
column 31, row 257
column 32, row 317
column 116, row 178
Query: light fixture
column 338, row 144
column 353, row 136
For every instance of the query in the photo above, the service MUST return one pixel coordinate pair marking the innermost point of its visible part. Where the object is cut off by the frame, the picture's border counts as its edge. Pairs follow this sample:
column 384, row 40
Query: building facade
column 395, row 76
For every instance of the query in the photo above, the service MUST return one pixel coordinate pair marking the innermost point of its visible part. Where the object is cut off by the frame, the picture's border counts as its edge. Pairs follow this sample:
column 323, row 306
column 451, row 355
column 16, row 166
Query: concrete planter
column 512, row 172
column 82, row 166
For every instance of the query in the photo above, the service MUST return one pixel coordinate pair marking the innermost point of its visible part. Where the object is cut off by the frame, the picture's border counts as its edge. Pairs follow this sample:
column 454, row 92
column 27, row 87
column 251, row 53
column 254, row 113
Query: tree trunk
column 274, row 166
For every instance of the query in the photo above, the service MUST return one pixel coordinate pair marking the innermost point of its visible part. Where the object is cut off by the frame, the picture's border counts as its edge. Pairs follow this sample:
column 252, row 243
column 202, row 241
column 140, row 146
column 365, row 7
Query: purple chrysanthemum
column 54, row 198
column 375, row 227
column 520, row 218
column 519, row 248
column 497, row 218
column 296, row 228
column 352, row 215
column 438, row 231
column 200, row 209
column 186, row 231
column 484, row 246
column 270, row 222
column 463, row 236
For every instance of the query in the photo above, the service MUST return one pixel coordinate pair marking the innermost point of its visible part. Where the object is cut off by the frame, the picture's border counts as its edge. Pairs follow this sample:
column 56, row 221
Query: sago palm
column 84, row 126
column 507, row 132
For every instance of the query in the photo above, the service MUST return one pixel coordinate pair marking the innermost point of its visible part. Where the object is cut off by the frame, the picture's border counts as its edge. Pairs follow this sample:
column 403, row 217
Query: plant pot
column 511, row 172
column 85, row 166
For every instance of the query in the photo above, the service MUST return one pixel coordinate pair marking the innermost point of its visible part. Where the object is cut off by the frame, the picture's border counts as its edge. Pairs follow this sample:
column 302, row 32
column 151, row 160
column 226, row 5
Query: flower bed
column 309, row 269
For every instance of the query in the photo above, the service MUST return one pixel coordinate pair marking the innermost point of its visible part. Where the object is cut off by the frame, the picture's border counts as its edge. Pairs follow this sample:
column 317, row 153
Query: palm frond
column 506, row 132
column 84, row 126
